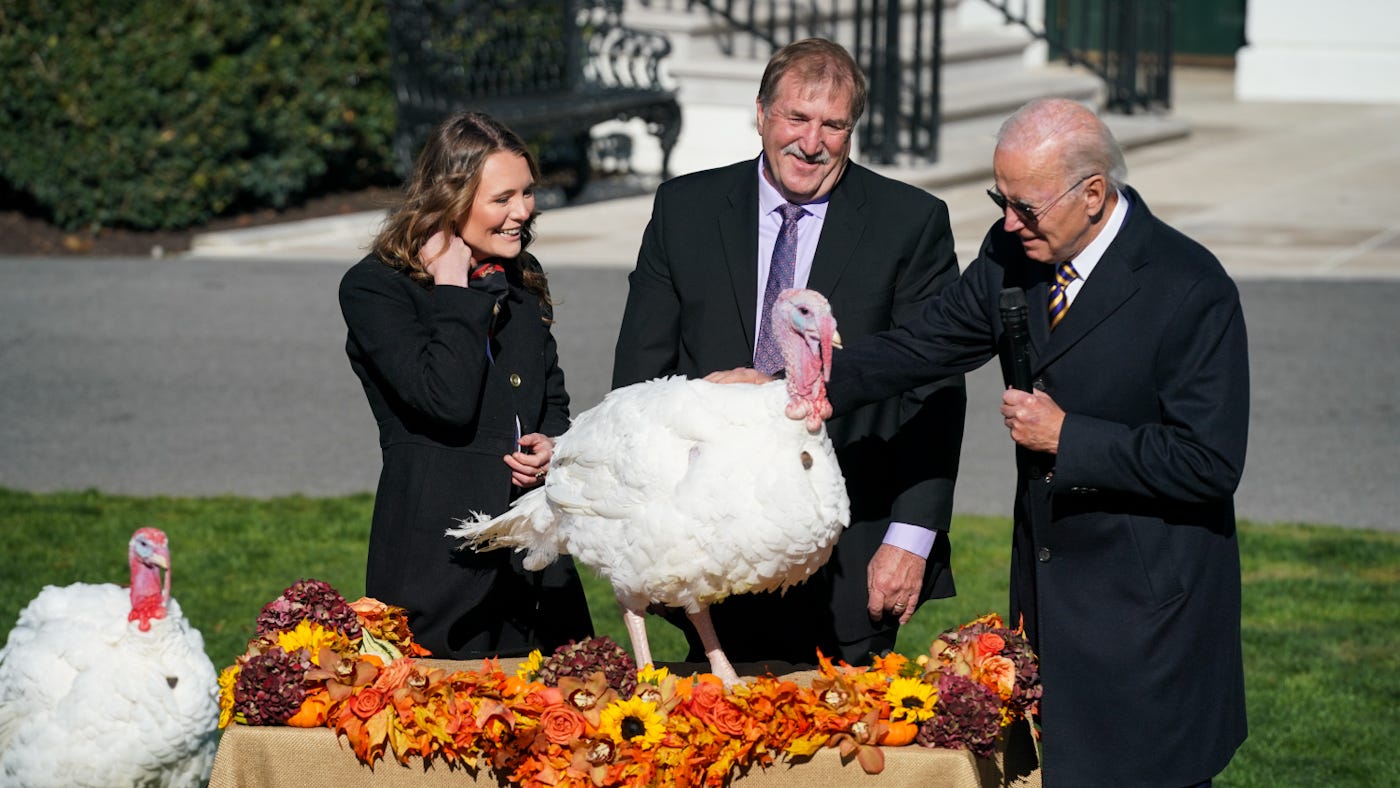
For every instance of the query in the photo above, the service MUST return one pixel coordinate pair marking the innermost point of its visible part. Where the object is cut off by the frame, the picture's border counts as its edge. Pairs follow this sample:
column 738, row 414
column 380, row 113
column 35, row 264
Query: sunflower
column 227, row 678
column 910, row 699
column 649, row 674
column 633, row 720
column 530, row 668
column 312, row 637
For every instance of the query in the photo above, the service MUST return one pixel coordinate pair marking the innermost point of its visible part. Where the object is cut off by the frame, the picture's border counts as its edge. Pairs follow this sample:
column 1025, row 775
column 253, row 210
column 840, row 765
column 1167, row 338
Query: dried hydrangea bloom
column 581, row 659
column 968, row 717
column 269, row 688
column 309, row 600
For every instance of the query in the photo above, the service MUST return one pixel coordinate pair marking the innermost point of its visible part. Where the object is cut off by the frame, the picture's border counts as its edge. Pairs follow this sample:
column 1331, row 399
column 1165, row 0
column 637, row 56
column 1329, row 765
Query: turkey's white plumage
column 89, row 699
column 685, row 492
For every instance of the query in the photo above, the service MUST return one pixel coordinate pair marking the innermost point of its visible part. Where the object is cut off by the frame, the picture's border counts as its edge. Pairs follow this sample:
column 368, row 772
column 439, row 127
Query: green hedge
column 152, row 114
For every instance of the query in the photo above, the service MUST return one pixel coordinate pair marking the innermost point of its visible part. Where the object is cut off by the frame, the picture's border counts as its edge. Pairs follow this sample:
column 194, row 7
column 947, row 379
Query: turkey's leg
column 719, row 664
column 636, row 624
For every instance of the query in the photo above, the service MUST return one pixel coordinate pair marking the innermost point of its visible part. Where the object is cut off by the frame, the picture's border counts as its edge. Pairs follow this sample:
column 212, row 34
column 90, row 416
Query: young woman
column 448, row 322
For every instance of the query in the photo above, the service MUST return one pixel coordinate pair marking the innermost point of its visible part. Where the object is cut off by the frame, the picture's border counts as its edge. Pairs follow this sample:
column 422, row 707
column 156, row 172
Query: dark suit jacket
column 1124, row 563
column 885, row 249
column 446, row 417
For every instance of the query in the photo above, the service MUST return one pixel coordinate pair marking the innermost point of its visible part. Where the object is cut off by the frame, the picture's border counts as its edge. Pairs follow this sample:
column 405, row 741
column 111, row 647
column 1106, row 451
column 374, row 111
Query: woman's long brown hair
column 441, row 192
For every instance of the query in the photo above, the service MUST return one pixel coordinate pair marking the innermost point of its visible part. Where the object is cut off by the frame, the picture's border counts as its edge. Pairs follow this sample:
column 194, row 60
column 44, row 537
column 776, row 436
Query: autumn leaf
column 804, row 746
column 427, row 720
column 376, row 734
column 401, row 740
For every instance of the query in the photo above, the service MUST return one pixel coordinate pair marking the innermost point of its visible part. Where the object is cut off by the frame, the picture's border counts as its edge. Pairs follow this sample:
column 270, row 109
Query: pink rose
column 369, row 607
column 394, row 675
column 542, row 697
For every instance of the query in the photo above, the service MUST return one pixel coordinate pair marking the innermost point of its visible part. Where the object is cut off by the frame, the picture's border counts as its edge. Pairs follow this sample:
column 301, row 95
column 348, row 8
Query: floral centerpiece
column 586, row 715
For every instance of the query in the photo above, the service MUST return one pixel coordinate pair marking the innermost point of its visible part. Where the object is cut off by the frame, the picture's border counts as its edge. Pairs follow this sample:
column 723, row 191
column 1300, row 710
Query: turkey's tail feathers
column 527, row 525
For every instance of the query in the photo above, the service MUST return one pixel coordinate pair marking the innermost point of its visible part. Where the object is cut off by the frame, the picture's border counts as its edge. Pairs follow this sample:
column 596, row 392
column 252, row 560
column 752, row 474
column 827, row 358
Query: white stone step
column 1000, row 94
column 985, row 76
column 965, row 147
column 696, row 35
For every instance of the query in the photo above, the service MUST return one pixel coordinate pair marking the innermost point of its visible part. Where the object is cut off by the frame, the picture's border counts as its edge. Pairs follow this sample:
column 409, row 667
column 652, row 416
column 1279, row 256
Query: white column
column 1310, row 50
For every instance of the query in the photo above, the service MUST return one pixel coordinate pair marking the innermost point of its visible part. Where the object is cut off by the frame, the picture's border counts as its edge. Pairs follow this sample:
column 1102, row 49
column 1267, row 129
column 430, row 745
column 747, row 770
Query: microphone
column 1016, row 364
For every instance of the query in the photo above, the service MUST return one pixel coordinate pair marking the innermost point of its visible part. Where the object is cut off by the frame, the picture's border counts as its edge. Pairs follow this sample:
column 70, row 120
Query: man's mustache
column 822, row 156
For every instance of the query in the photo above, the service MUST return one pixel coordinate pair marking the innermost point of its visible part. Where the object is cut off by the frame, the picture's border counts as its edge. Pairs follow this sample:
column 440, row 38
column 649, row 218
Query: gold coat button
column 515, row 379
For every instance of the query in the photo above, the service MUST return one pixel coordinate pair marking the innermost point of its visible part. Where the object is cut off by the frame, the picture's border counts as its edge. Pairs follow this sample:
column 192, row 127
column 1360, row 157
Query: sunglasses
column 1029, row 214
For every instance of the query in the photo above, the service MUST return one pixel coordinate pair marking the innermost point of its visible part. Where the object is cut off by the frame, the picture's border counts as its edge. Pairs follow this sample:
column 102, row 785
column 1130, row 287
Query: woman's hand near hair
column 447, row 259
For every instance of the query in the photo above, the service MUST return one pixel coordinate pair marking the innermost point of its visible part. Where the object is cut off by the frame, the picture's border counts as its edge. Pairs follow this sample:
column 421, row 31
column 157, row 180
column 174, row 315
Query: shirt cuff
column 914, row 538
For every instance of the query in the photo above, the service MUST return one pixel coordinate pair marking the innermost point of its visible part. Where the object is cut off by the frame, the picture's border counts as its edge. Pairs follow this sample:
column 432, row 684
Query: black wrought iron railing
column 1127, row 43
column 897, row 44
column 549, row 70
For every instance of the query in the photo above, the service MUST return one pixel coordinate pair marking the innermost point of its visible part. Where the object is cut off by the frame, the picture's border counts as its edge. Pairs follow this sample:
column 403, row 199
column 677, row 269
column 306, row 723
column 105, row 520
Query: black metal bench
column 549, row 70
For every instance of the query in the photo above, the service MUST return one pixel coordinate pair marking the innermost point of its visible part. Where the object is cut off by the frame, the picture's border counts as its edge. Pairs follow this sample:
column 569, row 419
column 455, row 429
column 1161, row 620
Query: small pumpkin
column 313, row 712
column 898, row 733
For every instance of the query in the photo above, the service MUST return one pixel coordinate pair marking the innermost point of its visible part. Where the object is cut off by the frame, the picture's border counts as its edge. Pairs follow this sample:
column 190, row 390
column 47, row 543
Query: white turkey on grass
column 107, row 686
column 684, row 492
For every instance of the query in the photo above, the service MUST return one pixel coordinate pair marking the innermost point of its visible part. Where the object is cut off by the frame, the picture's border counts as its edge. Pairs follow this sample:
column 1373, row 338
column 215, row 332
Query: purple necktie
column 767, row 358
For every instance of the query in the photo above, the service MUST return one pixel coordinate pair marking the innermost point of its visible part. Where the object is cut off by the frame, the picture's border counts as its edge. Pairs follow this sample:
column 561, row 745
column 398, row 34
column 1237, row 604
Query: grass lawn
column 1321, row 657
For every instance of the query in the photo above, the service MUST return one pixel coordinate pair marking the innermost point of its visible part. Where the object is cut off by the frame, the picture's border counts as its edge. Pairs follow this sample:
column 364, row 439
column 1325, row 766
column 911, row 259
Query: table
column 277, row 756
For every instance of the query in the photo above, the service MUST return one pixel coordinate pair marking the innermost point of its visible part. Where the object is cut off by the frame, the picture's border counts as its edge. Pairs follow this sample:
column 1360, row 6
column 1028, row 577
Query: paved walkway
column 230, row 377
column 1276, row 190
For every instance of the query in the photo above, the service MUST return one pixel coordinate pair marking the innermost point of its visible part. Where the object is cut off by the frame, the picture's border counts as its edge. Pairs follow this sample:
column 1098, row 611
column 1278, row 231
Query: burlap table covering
column 276, row 756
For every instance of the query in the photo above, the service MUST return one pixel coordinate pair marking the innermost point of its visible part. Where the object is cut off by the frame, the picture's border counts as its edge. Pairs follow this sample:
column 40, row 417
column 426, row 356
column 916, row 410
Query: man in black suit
column 877, row 249
column 1125, row 565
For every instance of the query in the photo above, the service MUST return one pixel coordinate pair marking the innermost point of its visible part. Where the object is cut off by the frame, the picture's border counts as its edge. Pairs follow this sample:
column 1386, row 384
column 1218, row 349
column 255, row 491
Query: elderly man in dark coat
column 1125, row 565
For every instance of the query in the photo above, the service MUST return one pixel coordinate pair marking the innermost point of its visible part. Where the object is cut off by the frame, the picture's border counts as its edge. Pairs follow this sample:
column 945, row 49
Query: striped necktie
column 1059, row 292
column 767, row 358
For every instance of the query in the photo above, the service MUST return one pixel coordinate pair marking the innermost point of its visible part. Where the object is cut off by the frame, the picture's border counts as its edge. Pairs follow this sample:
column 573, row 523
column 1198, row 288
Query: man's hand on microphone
column 1034, row 419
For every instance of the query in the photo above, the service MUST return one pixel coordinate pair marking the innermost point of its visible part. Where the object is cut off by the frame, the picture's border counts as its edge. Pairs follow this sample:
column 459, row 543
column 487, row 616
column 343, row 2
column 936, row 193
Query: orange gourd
column 312, row 713
column 898, row 733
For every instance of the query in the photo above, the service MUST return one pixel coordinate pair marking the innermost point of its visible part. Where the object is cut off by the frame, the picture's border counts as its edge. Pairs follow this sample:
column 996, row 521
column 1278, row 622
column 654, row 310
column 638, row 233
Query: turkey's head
column 806, row 333
column 148, row 554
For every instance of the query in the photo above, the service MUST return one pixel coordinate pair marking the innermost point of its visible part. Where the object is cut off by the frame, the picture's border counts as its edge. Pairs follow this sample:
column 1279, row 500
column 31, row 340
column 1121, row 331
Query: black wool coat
column 1124, row 563
column 446, row 407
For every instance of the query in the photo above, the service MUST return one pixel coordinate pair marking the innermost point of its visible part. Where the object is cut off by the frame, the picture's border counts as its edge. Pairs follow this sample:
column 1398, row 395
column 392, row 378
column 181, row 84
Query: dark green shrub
column 152, row 114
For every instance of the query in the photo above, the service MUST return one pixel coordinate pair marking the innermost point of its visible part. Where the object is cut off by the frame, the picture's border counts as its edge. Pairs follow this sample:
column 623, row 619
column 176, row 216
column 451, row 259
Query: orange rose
column 562, row 725
column 706, row 695
column 999, row 675
column 367, row 703
column 727, row 718
column 989, row 643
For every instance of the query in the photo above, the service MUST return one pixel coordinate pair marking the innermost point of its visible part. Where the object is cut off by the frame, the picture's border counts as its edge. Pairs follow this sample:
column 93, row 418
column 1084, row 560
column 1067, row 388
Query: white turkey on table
column 107, row 686
column 684, row 492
